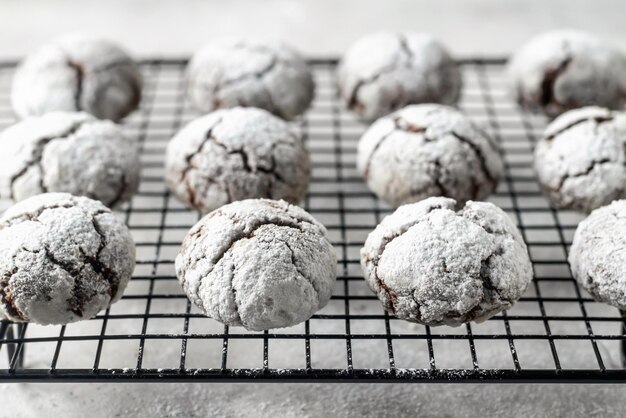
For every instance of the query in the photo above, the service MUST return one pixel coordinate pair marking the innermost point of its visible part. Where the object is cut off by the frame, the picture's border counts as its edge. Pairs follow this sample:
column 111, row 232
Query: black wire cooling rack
column 555, row 333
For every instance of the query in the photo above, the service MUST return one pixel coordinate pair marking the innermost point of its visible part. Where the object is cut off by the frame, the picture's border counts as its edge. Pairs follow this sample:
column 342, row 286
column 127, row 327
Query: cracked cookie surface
column 428, row 150
column 236, row 154
column 567, row 69
column 580, row 161
column 385, row 71
column 257, row 263
column 62, row 259
column 230, row 72
column 598, row 252
column 77, row 73
column 434, row 266
column 70, row 152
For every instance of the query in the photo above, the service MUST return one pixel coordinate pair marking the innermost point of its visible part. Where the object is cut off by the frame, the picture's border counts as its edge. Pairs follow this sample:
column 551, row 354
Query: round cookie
column 62, row 259
column 597, row 254
column 70, row 152
column 232, row 72
column 428, row 150
column 580, row 159
column 77, row 73
column 431, row 265
column 235, row 154
column 385, row 71
column 567, row 69
column 257, row 263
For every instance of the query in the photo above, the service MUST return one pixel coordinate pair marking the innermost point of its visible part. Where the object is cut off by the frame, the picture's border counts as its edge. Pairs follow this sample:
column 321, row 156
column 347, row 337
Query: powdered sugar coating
column 235, row 154
column 70, row 152
column 567, row 69
column 230, row 72
column 580, row 161
column 75, row 73
column 386, row 71
column 597, row 254
column 428, row 150
column 62, row 259
column 257, row 263
column 431, row 265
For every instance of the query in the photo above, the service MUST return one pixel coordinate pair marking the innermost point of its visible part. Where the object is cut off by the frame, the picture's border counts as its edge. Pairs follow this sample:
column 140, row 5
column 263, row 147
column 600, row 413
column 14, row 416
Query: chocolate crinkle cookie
column 385, row 71
column 580, row 161
column 77, row 73
column 567, row 69
column 428, row 150
column 432, row 265
column 62, row 259
column 597, row 254
column 230, row 72
column 236, row 154
column 257, row 263
column 70, row 152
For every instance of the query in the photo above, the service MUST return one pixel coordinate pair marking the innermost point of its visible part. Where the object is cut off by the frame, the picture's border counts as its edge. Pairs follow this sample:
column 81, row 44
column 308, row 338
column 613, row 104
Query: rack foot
column 10, row 331
column 623, row 340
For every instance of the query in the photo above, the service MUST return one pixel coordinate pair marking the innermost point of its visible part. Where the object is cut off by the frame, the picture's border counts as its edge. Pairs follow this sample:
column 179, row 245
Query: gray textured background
column 317, row 28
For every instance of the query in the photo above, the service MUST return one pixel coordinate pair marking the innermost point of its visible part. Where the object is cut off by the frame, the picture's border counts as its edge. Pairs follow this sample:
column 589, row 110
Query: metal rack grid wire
column 556, row 333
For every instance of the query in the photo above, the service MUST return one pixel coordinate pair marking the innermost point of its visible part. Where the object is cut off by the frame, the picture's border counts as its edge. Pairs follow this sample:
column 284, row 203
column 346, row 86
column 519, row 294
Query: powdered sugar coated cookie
column 428, row 150
column 567, row 69
column 75, row 73
column 597, row 254
column 257, row 263
column 70, row 152
column 432, row 265
column 580, row 159
column 235, row 154
column 385, row 71
column 230, row 72
column 62, row 259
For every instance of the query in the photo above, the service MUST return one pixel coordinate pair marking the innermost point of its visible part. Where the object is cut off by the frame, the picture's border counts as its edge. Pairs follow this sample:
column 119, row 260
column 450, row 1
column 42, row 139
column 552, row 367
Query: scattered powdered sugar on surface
column 312, row 400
